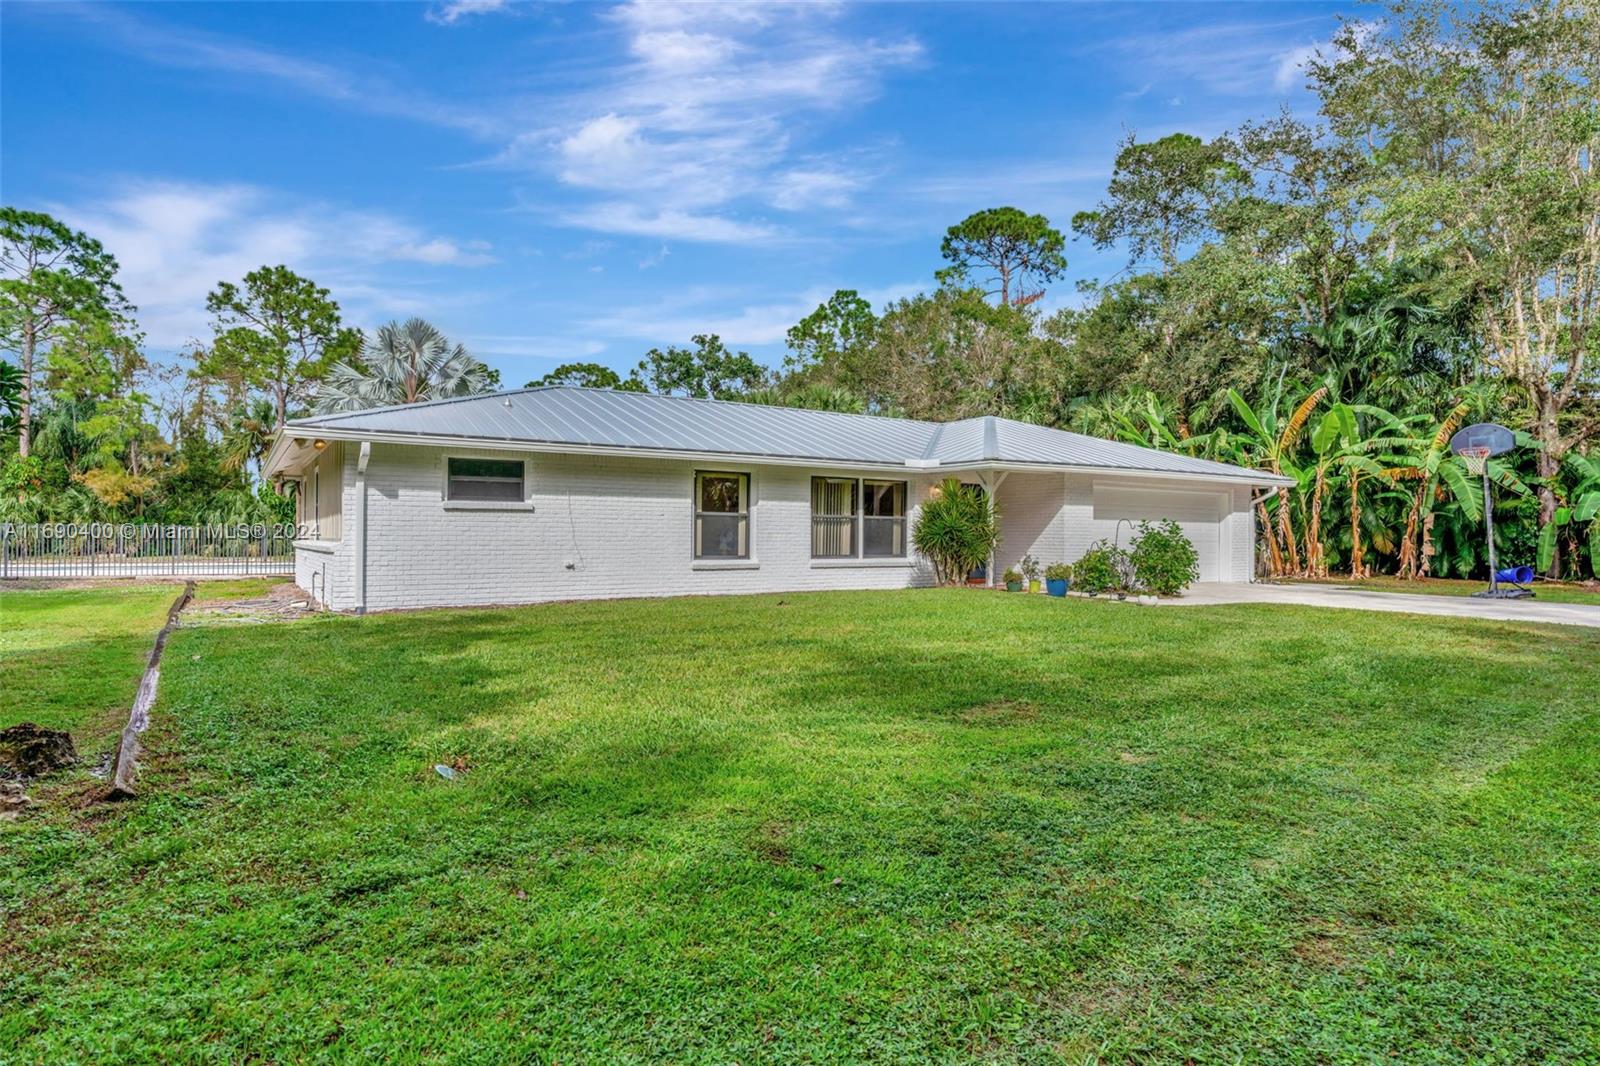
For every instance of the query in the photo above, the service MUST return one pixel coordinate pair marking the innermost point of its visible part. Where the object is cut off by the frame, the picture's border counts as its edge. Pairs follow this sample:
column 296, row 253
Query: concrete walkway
column 1535, row 610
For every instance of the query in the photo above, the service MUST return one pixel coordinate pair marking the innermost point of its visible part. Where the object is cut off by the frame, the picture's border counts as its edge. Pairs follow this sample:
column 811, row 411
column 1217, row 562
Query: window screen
column 721, row 515
column 484, row 479
column 883, row 524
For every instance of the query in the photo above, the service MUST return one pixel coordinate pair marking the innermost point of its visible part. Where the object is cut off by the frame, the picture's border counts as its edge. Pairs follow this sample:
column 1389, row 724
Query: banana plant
column 1438, row 474
column 1581, row 509
column 1271, row 444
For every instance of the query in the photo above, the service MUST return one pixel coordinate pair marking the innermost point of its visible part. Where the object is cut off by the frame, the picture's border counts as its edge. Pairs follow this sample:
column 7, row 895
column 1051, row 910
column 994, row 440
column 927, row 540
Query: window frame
column 521, row 503
column 903, row 518
column 856, row 502
column 747, row 512
column 859, row 518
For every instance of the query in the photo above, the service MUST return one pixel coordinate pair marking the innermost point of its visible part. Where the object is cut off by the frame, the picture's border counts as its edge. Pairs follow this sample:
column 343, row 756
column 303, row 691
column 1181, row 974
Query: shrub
column 1029, row 567
column 1011, row 575
column 956, row 530
column 1164, row 561
column 1058, row 572
column 1101, row 568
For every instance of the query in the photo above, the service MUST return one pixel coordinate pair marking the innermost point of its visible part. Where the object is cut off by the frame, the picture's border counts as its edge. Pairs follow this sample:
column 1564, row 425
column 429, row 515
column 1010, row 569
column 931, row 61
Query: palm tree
column 249, row 435
column 400, row 364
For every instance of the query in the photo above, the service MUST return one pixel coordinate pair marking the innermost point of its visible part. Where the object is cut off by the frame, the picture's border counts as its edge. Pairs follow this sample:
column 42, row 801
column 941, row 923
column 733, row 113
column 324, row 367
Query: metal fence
column 106, row 549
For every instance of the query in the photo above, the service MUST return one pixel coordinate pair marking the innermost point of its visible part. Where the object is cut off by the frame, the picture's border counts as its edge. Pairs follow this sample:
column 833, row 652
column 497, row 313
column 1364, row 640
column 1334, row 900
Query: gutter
column 932, row 466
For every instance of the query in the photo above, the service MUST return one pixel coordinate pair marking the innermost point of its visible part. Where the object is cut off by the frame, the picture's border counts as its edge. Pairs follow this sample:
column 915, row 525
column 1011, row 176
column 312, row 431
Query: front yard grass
column 1551, row 591
column 912, row 827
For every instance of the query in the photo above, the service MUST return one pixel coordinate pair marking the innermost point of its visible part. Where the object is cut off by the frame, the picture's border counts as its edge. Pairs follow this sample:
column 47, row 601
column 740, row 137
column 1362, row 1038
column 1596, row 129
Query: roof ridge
column 439, row 402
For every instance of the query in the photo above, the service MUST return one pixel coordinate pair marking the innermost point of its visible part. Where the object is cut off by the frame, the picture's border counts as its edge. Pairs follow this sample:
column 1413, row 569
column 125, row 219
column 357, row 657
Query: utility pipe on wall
column 361, row 526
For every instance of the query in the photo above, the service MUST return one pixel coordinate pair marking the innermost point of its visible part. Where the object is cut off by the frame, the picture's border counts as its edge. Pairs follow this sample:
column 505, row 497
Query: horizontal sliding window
column 484, row 479
column 721, row 515
column 833, row 517
column 883, row 523
column 852, row 518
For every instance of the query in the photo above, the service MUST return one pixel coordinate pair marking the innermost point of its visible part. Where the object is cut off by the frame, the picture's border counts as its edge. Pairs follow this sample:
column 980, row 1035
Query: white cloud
column 707, row 310
column 703, row 116
column 175, row 242
column 701, row 126
column 651, row 261
column 455, row 10
column 796, row 190
column 1232, row 58
column 1291, row 71
column 641, row 221
column 191, row 49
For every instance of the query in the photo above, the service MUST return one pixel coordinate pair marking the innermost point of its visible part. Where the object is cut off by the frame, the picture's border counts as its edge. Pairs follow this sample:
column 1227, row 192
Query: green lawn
column 1553, row 591
column 909, row 827
column 73, row 657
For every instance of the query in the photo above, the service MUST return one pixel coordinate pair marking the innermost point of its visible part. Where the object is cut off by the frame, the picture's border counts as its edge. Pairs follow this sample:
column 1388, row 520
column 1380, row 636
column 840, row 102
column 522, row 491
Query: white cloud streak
column 175, row 242
column 450, row 13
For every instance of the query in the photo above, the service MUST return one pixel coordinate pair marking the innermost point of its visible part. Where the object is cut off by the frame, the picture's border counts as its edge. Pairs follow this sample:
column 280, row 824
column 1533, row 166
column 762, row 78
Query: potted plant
column 1030, row 570
column 1013, row 580
column 1057, row 578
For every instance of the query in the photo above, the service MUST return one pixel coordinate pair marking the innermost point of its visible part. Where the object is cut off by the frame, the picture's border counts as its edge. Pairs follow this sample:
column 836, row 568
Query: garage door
column 1198, row 514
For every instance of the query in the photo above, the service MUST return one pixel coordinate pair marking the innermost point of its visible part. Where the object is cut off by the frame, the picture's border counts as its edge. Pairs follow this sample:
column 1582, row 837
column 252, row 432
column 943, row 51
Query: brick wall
column 608, row 527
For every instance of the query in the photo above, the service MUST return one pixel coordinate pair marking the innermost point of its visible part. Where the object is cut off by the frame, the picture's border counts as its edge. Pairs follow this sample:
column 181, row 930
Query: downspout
column 361, row 526
column 1256, row 501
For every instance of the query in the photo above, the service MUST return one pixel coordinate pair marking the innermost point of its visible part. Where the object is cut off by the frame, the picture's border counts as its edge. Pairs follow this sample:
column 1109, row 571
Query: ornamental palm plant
column 401, row 364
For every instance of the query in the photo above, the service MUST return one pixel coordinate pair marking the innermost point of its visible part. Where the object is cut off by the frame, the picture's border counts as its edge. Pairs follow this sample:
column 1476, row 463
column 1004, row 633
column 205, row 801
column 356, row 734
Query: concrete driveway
column 1535, row 610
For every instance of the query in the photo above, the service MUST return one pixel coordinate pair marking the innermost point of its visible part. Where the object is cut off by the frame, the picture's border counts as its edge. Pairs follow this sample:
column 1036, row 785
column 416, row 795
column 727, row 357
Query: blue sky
column 557, row 182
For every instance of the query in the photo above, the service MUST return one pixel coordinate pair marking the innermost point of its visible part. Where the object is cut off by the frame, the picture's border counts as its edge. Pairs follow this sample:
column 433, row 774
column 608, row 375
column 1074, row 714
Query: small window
column 833, row 517
column 721, row 515
column 883, row 523
column 484, row 479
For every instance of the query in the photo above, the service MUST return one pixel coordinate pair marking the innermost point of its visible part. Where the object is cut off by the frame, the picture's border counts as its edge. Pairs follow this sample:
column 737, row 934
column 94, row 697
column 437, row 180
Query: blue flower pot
column 1056, row 586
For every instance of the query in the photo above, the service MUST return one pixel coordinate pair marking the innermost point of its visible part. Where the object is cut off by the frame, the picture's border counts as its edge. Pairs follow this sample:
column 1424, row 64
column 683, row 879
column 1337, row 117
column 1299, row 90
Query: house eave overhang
column 288, row 453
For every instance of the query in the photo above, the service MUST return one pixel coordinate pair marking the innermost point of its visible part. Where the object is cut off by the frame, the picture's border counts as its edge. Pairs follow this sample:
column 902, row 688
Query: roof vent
column 506, row 402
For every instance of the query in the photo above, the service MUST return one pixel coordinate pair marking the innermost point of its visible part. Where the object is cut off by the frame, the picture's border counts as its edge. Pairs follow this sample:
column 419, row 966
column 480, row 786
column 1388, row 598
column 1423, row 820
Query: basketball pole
column 1488, row 527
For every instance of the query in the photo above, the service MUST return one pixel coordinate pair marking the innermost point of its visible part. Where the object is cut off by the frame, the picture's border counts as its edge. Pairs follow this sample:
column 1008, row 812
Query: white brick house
column 563, row 493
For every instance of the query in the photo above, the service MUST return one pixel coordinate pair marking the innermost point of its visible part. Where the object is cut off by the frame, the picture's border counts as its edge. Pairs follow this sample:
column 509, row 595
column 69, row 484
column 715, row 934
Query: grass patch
column 1550, row 591
column 894, row 826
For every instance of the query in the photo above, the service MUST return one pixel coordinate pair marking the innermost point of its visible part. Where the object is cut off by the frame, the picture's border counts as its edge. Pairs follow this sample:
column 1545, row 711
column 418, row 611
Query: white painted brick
column 625, row 526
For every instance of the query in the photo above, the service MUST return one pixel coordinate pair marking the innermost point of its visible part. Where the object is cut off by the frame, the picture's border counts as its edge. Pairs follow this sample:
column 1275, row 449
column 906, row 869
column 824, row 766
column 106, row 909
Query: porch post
column 991, row 481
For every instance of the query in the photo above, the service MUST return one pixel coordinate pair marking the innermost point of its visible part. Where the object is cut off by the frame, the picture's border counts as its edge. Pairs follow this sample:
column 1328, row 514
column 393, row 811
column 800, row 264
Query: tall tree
column 50, row 276
column 1018, row 248
column 1482, row 130
column 584, row 376
column 709, row 370
column 402, row 363
column 1160, row 198
column 278, row 332
column 833, row 347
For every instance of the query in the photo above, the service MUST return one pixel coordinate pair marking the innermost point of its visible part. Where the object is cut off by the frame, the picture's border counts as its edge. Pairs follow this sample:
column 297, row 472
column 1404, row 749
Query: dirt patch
column 1324, row 947
column 1134, row 757
column 29, row 750
column 1000, row 712
column 280, row 603
column 771, row 843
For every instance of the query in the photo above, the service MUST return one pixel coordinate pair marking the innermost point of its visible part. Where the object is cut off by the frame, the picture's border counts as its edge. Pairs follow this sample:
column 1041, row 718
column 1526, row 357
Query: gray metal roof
column 563, row 416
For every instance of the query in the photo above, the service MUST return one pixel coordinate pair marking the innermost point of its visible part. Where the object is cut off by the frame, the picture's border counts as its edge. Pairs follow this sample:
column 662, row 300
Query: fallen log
column 126, row 763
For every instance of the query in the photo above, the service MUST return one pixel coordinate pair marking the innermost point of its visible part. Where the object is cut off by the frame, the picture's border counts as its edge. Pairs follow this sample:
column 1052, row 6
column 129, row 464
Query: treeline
column 1329, row 299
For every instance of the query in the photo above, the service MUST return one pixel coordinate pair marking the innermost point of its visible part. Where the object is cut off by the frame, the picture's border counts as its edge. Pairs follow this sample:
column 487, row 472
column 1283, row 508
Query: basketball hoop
column 1474, row 445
